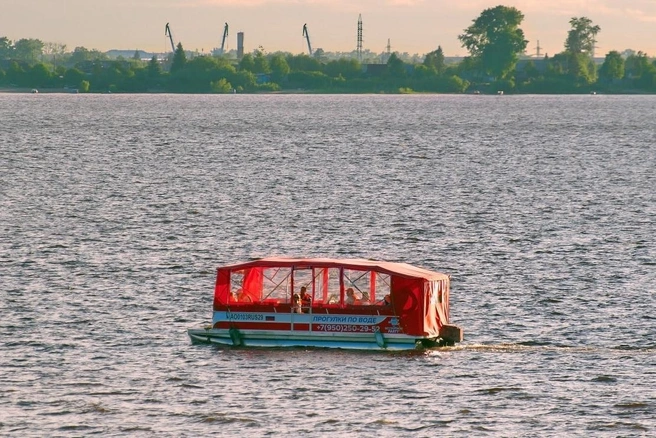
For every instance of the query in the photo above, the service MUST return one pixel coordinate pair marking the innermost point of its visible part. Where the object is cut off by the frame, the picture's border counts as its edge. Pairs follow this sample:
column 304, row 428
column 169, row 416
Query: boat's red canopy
column 390, row 268
column 419, row 297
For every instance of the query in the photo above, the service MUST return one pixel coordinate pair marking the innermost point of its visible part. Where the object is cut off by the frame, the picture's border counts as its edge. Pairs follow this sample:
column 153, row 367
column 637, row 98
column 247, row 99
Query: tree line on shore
column 495, row 43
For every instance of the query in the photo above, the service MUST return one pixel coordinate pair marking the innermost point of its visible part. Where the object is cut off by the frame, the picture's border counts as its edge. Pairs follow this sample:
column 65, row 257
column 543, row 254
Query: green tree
column 179, row 59
column 308, row 80
column 247, row 63
column 319, row 55
column 73, row 76
column 82, row 54
column 636, row 65
column 455, row 84
column 54, row 52
column 613, row 67
column 243, row 80
column 496, row 40
column 435, row 60
column 348, row 68
column 531, row 71
column 6, row 48
column 84, row 87
column 581, row 38
column 581, row 68
column 221, row 86
column 640, row 71
column 303, row 63
column 396, row 67
column 28, row 49
column 154, row 68
column 15, row 75
column 279, row 68
column 261, row 65
column 39, row 76
column 422, row 72
column 570, row 71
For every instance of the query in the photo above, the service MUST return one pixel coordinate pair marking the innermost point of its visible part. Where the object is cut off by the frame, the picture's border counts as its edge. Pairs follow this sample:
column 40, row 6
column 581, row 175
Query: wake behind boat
column 338, row 303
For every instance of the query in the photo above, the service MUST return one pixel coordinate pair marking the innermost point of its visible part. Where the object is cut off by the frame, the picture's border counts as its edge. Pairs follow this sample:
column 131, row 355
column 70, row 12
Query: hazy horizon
column 412, row 26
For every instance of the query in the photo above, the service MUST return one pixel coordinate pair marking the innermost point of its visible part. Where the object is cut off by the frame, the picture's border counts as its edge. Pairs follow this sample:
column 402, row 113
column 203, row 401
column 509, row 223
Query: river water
column 116, row 209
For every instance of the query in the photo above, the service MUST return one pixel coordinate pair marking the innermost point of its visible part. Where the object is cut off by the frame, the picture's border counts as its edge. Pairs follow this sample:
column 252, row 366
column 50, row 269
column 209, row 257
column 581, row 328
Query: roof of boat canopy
column 391, row 268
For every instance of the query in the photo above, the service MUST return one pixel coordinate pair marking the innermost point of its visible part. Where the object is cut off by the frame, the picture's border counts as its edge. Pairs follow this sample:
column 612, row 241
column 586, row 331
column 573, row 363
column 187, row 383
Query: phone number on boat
column 346, row 328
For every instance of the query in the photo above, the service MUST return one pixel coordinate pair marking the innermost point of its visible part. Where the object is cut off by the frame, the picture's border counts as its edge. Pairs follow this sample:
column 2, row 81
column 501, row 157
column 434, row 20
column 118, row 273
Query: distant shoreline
column 23, row 90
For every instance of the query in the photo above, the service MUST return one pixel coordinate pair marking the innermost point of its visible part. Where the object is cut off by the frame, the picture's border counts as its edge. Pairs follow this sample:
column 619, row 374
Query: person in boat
column 243, row 297
column 365, row 301
column 386, row 301
column 240, row 296
column 296, row 304
column 350, row 296
column 306, row 299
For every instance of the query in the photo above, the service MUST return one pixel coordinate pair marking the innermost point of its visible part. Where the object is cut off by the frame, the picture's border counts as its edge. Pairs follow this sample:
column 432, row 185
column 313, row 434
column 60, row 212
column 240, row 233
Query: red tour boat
column 337, row 303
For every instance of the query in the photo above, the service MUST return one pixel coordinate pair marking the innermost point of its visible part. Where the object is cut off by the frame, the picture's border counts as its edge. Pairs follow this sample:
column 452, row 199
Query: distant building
column 262, row 78
column 240, row 45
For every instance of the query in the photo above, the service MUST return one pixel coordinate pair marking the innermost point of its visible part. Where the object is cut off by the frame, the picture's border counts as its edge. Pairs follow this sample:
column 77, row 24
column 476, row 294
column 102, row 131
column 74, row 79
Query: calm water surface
column 115, row 211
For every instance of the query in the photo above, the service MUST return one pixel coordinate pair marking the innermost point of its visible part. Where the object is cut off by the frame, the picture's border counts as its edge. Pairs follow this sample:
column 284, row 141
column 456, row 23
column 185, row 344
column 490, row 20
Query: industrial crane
column 225, row 36
column 167, row 32
column 307, row 37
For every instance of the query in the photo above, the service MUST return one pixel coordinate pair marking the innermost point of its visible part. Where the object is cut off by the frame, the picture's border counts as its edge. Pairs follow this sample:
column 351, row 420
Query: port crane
column 307, row 37
column 167, row 32
column 225, row 36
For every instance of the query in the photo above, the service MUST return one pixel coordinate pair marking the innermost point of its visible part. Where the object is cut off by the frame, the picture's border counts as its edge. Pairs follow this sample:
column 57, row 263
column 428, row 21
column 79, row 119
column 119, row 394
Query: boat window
column 368, row 286
column 303, row 278
column 326, row 285
column 383, row 287
column 276, row 284
column 236, row 284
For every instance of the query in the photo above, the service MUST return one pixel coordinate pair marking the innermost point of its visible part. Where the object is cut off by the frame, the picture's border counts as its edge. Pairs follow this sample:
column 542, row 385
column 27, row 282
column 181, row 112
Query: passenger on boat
column 243, row 297
column 386, row 301
column 296, row 304
column 365, row 301
column 350, row 296
column 306, row 299
column 240, row 296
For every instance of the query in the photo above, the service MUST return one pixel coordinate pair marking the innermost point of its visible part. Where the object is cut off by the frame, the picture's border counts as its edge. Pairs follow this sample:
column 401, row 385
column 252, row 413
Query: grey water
column 115, row 211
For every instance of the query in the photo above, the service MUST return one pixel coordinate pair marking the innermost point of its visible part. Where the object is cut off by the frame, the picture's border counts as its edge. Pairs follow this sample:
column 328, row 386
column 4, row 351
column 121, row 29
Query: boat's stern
column 451, row 334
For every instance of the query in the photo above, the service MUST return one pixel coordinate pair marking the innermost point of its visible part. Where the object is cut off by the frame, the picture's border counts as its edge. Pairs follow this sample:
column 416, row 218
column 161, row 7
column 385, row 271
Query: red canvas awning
column 391, row 268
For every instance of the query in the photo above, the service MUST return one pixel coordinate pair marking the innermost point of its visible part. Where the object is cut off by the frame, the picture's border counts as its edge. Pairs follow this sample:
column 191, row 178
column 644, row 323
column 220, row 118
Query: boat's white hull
column 270, row 338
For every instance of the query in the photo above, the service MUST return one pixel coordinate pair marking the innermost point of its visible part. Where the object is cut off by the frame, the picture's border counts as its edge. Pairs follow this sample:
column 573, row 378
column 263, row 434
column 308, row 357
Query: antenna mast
column 538, row 48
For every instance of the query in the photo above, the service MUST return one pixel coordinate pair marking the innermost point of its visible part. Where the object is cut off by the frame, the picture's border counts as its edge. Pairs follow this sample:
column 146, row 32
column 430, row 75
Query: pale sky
column 413, row 26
